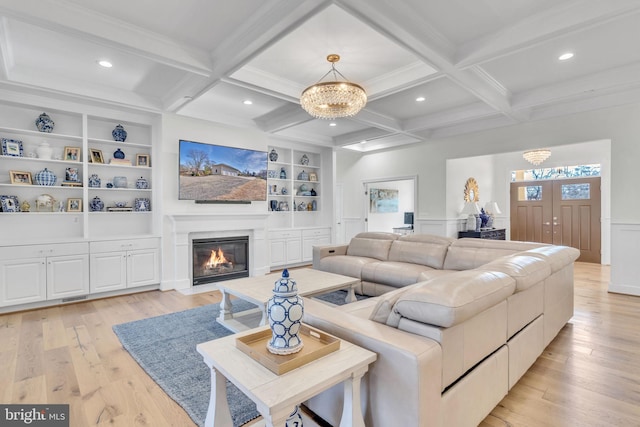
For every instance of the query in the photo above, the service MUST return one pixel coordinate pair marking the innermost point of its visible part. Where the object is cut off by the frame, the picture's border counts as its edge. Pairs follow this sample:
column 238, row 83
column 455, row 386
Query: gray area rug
column 165, row 347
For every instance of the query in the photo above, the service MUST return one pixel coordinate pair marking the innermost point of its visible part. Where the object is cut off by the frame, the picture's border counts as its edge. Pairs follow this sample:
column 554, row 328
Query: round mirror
column 471, row 193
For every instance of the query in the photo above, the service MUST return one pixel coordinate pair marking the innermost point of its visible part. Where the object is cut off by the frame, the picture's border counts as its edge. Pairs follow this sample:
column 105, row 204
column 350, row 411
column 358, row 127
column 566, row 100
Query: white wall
column 620, row 125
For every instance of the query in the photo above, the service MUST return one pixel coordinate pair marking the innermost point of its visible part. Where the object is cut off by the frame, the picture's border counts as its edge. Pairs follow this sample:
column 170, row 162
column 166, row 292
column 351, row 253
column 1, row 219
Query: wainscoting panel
column 625, row 261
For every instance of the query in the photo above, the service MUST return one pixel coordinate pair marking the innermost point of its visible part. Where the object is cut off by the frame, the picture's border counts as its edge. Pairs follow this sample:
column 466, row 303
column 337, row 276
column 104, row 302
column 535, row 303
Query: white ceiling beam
column 76, row 21
column 282, row 118
column 359, row 136
column 271, row 22
column 399, row 22
column 449, row 117
column 556, row 22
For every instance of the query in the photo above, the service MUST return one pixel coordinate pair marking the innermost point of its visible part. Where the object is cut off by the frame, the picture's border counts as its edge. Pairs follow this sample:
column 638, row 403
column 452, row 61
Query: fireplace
column 218, row 259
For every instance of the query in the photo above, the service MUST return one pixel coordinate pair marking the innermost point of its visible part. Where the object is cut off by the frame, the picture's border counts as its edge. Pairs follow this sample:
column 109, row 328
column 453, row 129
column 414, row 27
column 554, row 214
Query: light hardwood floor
column 588, row 376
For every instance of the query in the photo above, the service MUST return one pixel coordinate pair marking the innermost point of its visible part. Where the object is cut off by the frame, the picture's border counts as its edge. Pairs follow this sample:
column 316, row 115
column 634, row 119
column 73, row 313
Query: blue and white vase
column 96, row 205
column 44, row 123
column 304, row 160
column 295, row 419
column 273, row 155
column 283, row 173
column 119, row 134
column 118, row 154
column 94, row 181
column 142, row 184
column 285, row 310
column 45, row 177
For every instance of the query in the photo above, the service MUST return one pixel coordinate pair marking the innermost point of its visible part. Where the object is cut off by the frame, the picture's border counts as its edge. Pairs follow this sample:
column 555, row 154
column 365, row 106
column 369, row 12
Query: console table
column 491, row 234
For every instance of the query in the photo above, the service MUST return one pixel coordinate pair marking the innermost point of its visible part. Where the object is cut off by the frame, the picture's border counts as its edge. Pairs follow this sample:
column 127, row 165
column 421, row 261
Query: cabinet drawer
column 285, row 234
column 316, row 232
column 124, row 245
column 38, row 251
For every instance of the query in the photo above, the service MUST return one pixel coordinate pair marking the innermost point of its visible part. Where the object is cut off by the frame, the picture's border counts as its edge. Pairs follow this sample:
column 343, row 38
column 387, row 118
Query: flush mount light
column 104, row 63
column 565, row 56
column 332, row 124
column 421, row 99
column 337, row 98
column 247, row 102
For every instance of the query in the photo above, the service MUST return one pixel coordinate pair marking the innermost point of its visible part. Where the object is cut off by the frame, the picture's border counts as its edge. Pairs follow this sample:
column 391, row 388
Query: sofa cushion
column 557, row 256
column 468, row 253
column 345, row 265
column 448, row 300
column 396, row 274
column 370, row 248
column 526, row 270
column 415, row 252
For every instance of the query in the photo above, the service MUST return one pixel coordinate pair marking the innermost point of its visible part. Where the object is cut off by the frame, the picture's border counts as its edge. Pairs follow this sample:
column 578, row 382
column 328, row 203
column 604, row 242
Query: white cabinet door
column 23, row 281
column 67, row 276
column 278, row 252
column 294, row 250
column 314, row 237
column 108, row 271
column 143, row 267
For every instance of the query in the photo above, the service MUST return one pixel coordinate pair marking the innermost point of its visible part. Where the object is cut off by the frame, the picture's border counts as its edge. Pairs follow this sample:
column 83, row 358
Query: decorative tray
column 316, row 345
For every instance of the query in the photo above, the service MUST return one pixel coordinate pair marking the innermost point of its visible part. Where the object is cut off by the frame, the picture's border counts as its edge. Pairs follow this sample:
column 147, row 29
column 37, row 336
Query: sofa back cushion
column 371, row 245
column 468, row 253
column 423, row 249
column 446, row 300
column 525, row 270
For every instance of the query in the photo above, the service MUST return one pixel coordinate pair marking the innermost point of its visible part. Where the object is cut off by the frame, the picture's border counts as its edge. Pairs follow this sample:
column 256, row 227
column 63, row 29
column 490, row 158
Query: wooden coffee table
column 258, row 290
column 276, row 396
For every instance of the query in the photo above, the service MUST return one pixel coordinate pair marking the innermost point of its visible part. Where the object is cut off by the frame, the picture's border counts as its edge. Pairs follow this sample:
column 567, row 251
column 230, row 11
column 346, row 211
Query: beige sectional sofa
column 455, row 323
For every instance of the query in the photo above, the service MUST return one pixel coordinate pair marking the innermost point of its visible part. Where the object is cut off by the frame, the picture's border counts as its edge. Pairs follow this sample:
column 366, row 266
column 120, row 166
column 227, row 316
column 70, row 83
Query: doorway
column 386, row 202
column 560, row 212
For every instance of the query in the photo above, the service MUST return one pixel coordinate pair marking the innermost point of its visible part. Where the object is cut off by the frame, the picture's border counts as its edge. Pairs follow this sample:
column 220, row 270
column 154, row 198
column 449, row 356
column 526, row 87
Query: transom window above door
column 562, row 172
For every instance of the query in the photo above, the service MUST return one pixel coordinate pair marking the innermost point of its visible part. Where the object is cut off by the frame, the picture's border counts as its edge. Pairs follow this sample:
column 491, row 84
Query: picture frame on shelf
column 142, row 160
column 12, row 147
column 72, row 154
column 20, row 177
column 71, row 175
column 74, row 205
column 142, row 205
column 313, row 176
column 9, row 204
column 95, row 155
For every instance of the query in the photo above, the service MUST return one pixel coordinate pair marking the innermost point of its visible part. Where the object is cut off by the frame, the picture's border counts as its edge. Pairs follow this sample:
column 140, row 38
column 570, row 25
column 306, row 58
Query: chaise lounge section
column 455, row 323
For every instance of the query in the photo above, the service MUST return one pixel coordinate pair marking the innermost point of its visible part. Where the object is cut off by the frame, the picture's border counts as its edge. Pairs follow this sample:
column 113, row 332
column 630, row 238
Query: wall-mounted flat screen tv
column 217, row 173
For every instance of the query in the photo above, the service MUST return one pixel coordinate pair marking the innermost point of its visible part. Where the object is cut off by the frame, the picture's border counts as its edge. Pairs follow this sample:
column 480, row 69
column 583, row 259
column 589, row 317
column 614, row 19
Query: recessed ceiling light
column 247, row 102
column 565, row 56
column 332, row 124
column 421, row 99
column 104, row 63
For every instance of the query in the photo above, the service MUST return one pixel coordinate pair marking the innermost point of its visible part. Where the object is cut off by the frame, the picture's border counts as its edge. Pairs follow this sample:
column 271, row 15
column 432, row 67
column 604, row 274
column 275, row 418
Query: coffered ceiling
column 478, row 64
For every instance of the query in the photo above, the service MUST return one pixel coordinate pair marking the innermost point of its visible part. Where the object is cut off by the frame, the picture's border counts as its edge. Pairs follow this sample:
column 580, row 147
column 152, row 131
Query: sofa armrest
column 323, row 251
column 402, row 386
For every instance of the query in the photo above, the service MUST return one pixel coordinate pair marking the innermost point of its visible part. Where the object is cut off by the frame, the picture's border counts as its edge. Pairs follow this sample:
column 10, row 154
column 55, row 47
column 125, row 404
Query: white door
column 108, row 271
column 23, row 281
column 67, row 276
column 143, row 267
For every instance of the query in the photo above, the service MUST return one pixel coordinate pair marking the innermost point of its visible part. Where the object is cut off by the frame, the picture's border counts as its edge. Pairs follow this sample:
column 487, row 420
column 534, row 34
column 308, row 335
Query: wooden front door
column 562, row 212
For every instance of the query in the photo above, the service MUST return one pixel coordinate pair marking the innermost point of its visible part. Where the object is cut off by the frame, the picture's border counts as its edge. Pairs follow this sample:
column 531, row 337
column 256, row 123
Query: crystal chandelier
column 329, row 100
column 536, row 157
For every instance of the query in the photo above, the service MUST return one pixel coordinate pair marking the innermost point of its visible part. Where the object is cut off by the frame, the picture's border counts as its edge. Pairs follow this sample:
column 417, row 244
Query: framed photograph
column 313, row 176
column 71, row 175
column 142, row 160
column 12, row 147
column 20, row 177
column 96, row 156
column 9, row 204
column 74, row 205
column 72, row 154
column 142, row 205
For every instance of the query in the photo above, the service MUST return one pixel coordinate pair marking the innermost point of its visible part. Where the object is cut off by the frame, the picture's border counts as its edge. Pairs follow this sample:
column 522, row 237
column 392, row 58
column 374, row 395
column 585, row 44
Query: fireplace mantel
column 179, row 229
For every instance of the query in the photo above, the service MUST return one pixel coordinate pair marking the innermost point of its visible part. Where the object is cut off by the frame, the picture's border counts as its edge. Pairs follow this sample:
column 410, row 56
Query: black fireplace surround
column 220, row 258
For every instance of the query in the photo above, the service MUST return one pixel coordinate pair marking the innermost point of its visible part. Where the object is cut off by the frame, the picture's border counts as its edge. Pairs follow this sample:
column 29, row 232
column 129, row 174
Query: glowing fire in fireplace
column 217, row 260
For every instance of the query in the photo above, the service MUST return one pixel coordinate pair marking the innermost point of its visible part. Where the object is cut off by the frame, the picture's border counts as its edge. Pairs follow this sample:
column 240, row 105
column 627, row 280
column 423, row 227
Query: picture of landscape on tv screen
column 210, row 172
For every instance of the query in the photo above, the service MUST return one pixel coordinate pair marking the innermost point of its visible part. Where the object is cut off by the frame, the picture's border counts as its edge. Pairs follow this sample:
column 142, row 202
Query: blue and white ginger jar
column 142, row 184
column 44, row 123
column 273, row 155
column 119, row 134
column 45, row 177
column 285, row 310
column 94, row 181
column 118, row 154
column 96, row 205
